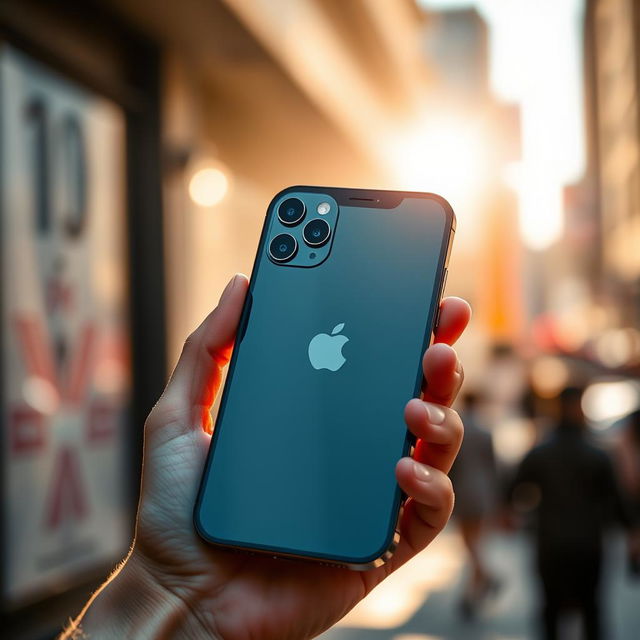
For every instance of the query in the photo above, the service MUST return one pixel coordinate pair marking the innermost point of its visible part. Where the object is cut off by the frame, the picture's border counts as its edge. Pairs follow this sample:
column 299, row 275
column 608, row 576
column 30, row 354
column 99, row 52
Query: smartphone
column 342, row 302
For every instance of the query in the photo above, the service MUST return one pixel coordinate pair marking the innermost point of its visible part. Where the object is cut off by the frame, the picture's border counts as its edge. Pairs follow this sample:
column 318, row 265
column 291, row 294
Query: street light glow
column 208, row 186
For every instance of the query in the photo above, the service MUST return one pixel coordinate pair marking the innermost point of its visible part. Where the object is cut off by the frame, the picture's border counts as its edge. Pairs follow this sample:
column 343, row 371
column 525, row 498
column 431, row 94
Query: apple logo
column 325, row 351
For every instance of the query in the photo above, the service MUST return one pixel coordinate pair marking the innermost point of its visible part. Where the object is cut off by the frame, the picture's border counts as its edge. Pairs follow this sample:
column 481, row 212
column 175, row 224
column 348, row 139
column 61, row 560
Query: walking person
column 474, row 478
column 627, row 452
column 573, row 486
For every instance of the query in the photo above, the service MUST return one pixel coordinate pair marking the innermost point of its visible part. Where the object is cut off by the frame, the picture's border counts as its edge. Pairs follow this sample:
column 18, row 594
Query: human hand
column 175, row 585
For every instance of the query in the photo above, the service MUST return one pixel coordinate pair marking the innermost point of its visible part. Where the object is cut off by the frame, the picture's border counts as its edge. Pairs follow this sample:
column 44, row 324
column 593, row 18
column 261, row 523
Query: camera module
column 291, row 211
column 316, row 232
column 283, row 247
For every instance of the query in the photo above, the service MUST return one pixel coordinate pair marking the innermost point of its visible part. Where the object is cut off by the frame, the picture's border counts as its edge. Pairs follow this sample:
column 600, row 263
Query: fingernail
column 229, row 288
column 421, row 472
column 435, row 414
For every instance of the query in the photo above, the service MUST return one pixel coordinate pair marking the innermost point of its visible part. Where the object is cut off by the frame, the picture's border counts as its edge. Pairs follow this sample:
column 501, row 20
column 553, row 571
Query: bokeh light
column 208, row 186
column 549, row 375
column 618, row 347
column 607, row 401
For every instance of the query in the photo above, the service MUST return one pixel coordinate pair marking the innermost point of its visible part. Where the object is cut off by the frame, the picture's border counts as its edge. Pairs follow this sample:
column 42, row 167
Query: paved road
column 420, row 601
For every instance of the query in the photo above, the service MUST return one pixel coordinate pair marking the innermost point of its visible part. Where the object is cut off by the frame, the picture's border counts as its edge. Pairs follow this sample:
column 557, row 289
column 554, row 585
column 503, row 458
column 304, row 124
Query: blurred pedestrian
column 474, row 478
column 572, row 487
column 628, row 456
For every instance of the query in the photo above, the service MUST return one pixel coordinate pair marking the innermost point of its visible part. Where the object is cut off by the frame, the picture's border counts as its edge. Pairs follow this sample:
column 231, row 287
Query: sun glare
column 442, row 155
column 545, row 80
column 540, row 202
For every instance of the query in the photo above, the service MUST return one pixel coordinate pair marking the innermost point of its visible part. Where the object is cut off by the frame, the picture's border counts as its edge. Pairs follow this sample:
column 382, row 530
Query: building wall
column 615, row 37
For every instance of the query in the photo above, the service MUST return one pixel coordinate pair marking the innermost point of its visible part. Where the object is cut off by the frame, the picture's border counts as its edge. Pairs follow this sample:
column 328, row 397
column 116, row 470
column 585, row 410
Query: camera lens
column 291, row 211
column 316, row 232
column 283, row 247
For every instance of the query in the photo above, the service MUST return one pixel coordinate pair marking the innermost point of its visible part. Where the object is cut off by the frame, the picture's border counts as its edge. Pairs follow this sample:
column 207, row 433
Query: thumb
column 195, row 381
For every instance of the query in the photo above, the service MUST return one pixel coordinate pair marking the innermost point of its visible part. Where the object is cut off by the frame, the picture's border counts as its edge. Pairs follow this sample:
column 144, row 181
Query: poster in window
column 65, row 350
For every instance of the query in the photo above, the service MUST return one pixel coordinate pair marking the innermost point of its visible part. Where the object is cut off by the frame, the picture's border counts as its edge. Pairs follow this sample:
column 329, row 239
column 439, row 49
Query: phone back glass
column 302, row 460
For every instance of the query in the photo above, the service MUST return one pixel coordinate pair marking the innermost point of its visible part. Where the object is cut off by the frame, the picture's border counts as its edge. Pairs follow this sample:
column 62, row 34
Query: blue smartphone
column 343, row 301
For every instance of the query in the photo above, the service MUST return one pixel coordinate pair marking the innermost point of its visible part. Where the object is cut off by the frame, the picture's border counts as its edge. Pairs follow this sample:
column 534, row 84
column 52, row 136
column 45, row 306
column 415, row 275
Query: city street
column 372, row 167
column 420, row 602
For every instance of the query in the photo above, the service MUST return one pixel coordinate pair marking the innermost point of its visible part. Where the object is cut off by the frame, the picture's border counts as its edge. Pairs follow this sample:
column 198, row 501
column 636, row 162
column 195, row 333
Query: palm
column 261, row 596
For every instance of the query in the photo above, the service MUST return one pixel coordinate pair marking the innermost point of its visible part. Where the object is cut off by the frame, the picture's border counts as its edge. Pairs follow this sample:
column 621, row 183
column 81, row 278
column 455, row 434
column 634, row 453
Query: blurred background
column 140, row 143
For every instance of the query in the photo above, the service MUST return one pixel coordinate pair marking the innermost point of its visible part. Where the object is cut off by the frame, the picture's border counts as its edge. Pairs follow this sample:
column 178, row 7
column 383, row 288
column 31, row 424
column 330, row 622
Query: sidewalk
column 419, row 602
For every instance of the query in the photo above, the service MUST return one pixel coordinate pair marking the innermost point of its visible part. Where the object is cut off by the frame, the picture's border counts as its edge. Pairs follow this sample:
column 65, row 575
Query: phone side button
column 442, row 286
column 244, row 320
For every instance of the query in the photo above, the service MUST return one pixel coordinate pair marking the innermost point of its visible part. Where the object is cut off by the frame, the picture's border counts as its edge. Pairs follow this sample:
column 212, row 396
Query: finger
column 455, row 314
column 429, row 506
column 439, row 431
column 443, row 374
column 197, row 376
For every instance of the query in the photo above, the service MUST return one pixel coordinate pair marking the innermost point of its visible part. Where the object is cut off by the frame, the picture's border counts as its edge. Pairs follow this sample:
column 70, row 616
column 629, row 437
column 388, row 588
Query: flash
column 323, row 208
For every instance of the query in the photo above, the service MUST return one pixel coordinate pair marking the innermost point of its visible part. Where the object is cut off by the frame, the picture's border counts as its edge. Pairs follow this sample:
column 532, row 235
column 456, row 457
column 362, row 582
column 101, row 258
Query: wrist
column 133, row 604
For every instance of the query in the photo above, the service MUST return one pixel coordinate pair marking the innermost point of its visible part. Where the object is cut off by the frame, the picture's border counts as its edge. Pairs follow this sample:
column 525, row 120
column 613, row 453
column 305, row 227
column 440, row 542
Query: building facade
column 612, row 36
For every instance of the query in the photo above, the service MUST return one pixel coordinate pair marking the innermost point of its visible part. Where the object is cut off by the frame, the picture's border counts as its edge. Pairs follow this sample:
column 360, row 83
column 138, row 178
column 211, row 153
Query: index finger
column 455, row 314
